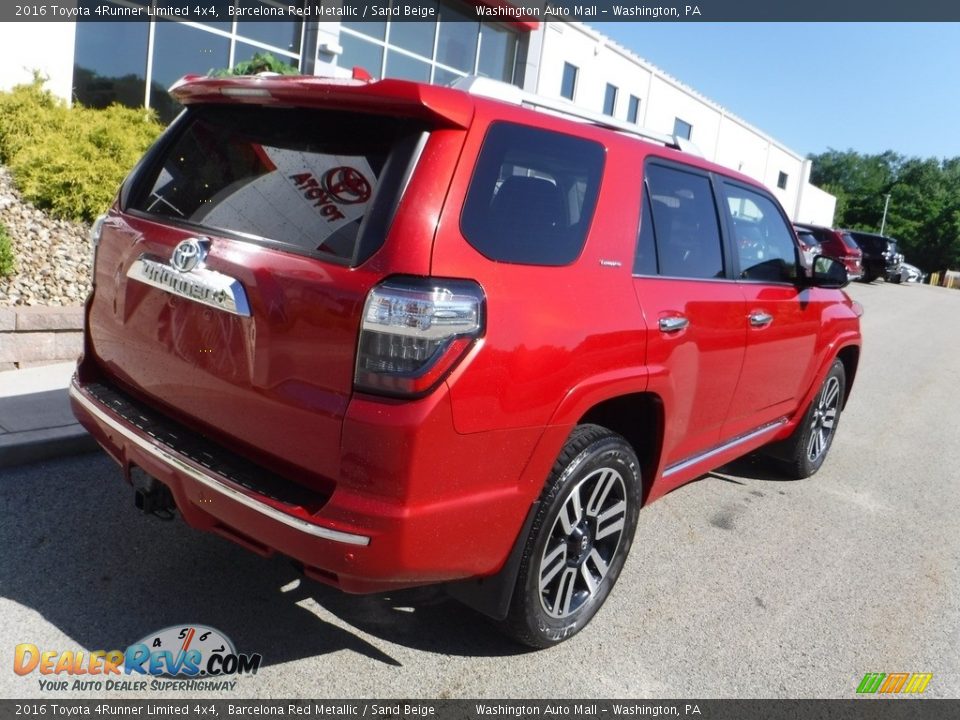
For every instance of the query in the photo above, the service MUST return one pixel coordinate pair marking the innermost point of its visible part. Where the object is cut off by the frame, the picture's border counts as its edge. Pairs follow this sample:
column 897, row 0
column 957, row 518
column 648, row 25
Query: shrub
column 6, row 253
column 260, row 62
column 70, row 160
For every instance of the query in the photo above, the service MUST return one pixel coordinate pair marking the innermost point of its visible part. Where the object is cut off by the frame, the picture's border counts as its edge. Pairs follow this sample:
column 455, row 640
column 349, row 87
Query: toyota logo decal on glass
column 189, row 254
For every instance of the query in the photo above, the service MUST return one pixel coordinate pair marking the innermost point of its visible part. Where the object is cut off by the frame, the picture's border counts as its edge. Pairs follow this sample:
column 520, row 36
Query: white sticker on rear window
column 335, row 189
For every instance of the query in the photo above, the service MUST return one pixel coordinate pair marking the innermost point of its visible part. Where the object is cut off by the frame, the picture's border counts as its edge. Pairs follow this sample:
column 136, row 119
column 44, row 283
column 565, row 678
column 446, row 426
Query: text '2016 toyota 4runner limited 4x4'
column 408, row 335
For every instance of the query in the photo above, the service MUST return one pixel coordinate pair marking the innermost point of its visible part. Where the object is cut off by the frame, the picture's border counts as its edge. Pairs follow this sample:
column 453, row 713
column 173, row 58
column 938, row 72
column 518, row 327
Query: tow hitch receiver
column 151, row 496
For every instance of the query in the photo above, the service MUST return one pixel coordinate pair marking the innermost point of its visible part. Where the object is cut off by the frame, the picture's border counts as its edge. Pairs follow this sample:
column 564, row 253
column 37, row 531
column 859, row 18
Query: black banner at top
column 216, row 11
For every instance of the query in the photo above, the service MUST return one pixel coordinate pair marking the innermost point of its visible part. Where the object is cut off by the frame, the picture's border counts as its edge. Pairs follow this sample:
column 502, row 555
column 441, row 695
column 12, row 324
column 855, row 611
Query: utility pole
column 883, row 223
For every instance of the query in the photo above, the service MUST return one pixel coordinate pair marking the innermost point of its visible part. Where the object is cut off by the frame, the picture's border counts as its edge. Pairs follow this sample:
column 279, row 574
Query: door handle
column 672, row 324
column 760, row 319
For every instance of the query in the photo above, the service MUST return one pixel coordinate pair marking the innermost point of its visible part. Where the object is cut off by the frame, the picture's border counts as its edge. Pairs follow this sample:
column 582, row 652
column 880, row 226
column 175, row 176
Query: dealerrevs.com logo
column 180, row 657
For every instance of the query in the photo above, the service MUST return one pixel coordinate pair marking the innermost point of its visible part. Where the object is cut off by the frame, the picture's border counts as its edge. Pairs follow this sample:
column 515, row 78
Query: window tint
column 765, row 246
column 685, row 218
column 645, row 263
column 302, row 178
column 532, row 195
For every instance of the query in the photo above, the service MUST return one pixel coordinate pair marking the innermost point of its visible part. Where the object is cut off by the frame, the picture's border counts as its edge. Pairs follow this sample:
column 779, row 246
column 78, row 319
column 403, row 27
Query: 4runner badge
column 185, row 276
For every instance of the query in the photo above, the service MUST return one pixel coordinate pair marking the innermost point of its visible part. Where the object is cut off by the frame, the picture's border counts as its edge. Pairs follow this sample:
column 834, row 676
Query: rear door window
column 685, row 219
column 532, row 195
column 306, row 180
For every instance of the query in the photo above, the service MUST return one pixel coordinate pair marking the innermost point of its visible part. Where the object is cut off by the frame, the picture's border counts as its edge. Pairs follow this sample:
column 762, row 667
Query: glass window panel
column 110, row 63
column 645, row 263
column 681, row 128
column 416, row 37
column 498, row 50
column 281, row 34
column 457, row 41
column 179, row 50
column 407, row 68
column 568, row 86
column 765, row 246
column 532, row 195
column 371, row 28
column 444, row 77
column 610, row 100
column 633, row 110
column 360, row 53
column 685, row 220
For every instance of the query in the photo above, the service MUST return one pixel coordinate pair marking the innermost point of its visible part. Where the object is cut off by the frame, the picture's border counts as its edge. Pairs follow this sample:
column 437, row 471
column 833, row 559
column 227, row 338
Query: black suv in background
column 881, row 256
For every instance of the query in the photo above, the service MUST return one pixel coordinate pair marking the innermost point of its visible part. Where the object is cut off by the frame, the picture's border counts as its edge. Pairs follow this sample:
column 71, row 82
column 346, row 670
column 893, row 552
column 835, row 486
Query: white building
column 134, row 62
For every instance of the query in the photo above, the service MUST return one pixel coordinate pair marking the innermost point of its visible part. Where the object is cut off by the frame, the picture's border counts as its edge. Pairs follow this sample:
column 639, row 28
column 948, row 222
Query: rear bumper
column 357, row 541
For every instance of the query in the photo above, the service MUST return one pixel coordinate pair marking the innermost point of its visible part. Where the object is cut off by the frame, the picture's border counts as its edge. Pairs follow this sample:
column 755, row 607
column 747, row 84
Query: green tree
column 924, row 209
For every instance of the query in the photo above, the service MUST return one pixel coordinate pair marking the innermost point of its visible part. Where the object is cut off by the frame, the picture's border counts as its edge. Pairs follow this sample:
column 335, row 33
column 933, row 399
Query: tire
column 806, row 449
column 585, row 523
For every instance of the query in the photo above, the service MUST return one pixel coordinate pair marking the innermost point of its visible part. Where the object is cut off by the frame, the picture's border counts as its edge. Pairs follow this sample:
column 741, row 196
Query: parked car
column 809, row 246
column 881, row 256
column 407, row 334
column 910, row 273
column 837, row 244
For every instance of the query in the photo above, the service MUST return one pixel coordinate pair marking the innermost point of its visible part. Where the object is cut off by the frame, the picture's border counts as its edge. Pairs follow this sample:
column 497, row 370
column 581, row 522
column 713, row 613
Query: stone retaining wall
column 31, row 336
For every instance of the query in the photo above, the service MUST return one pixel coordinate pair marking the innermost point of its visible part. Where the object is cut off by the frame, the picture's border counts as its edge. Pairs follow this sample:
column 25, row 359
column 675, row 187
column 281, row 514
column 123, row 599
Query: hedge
column 70, row 161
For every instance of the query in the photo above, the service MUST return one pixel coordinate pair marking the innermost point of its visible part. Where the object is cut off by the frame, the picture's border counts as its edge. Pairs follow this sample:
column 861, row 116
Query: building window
column 633, row 109
column 110, row 60
column 681, row 128
column 782, row 181
column 610, row 100
column 568, row 86
column 439, row 51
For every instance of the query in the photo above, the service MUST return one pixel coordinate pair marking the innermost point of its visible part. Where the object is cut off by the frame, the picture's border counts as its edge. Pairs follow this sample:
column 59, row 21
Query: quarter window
column 765, row 247
column 685, row 217
column 532, row 195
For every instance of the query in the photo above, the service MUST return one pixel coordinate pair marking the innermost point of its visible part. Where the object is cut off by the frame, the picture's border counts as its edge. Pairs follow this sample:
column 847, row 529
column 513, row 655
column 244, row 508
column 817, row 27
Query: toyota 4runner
column 406, row 335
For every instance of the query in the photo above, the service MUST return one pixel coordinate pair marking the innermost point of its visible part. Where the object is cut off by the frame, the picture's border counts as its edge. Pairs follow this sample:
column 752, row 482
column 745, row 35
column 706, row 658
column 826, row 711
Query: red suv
column 841, row 245
column 406, row 334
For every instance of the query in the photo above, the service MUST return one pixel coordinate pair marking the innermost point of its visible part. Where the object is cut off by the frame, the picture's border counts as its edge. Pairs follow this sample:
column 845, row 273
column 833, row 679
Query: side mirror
column 829, row 272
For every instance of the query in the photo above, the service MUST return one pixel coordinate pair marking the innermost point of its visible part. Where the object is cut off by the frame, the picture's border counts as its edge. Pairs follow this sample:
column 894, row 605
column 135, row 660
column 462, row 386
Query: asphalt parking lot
column 741, row 584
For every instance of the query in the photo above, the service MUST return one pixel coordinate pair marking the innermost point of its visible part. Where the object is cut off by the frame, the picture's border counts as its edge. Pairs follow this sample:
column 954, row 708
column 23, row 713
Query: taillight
column 414, row 331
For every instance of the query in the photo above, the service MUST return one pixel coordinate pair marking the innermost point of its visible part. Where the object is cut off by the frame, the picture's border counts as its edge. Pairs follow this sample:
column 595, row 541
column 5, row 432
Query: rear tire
column 579, row 539
column 806, row 449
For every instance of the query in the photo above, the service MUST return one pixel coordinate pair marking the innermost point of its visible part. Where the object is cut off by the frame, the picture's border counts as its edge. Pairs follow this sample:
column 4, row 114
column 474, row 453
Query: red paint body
column 441, row 485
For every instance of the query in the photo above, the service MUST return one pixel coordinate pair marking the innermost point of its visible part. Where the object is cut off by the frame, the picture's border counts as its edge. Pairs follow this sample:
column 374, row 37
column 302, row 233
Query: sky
column 868, row 87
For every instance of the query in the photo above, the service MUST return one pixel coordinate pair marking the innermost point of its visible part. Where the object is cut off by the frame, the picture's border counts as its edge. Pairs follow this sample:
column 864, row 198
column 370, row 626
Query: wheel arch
column 639, row 418
column 849, row 355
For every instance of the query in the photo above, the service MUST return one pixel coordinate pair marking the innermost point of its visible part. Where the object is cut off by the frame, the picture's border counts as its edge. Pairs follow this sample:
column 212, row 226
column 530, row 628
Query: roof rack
column 505, row 92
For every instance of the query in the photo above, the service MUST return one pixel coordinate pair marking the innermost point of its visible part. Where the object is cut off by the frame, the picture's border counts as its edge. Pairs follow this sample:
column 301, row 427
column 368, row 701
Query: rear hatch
column 230, row 284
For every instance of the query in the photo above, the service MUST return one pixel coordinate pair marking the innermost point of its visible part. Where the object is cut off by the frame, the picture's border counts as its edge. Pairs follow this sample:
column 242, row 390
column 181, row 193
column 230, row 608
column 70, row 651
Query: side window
column 532, row 195
column 645, row 263
column 765, row 246
column 685, row 218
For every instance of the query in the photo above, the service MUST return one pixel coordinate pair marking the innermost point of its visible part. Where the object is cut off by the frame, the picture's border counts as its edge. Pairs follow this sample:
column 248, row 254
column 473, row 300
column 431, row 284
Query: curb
column 45, row 444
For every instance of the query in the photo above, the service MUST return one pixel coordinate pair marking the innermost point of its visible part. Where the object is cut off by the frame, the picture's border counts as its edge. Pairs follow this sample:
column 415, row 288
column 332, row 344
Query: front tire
column 807, row 448
column 579, row 540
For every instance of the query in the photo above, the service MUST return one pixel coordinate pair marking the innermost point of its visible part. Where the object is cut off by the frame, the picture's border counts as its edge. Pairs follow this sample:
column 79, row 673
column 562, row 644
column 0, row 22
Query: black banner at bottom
column 874, row 708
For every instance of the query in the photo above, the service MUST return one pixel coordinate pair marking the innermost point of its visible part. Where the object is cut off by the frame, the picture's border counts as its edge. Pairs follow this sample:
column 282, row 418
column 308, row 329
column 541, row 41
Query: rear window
column 532, row 196
column 849, row 241
column 313, row 181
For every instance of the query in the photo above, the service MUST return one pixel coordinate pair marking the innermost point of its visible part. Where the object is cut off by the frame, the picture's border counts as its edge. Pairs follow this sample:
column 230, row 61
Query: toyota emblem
column 189, row 254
